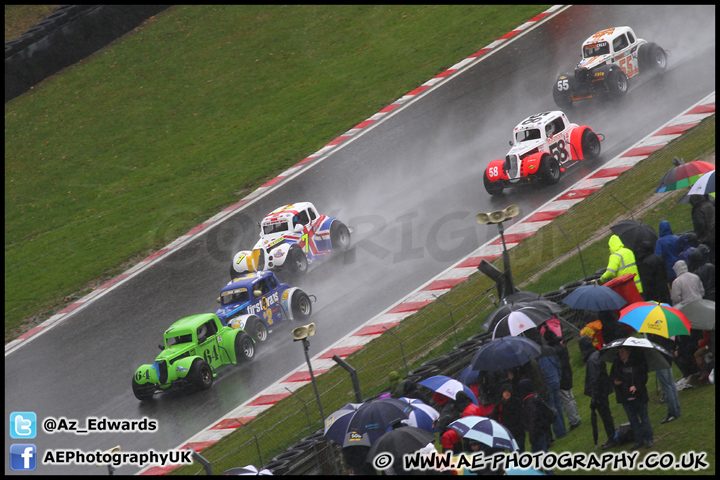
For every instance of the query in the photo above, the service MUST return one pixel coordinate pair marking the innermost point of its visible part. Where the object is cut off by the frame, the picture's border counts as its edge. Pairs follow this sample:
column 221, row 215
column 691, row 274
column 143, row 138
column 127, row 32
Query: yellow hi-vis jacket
column 621, row 262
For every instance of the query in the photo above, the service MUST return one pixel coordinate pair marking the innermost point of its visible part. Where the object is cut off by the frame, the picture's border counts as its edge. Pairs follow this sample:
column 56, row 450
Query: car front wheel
column 257, row 329
column 200, row 375
column 142, row 392
column 549, row 169
column 493, row 188
column 617, row 83
column 297, row 261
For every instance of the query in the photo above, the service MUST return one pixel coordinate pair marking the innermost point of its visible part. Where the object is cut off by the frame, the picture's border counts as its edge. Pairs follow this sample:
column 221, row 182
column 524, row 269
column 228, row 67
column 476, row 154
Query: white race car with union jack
column 291, row 238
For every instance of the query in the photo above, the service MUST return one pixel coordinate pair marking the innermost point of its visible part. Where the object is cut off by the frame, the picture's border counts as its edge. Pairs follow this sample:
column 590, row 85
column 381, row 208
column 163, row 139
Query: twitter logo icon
column 23, row 425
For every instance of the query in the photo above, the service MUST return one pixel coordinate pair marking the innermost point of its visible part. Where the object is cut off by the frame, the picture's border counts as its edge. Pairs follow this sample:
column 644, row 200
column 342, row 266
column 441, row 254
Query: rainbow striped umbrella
column 684, row 175
column 658, row 318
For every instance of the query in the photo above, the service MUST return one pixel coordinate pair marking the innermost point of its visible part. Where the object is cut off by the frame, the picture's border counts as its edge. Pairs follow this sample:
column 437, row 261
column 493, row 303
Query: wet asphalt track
column 411, row 187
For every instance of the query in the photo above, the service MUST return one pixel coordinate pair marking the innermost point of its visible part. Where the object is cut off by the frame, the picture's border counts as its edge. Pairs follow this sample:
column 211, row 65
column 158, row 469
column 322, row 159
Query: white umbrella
column 423, row 416
column 705, row 185
column 514, row 324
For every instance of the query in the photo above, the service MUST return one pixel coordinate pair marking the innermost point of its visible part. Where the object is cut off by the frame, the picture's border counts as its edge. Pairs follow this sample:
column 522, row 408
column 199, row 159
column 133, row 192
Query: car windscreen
column 234, row 296
column 525, row 135
column 595, row 49
column 276, row 228
column 187, row 338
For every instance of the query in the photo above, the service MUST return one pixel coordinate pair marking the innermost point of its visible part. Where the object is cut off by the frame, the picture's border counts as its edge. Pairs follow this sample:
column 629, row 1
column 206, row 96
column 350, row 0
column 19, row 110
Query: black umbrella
column 503, row 353
column 401, row 441
column 547, row 310
column 247, row 470
column 633, row 233
column 522, row 296
column 373, row 419
column 656, row 357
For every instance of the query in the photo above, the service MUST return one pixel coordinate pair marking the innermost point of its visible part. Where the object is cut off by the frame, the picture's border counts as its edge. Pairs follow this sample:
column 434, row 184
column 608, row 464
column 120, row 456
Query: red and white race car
column 291, row 238
column 543, row 146
column 609, row 58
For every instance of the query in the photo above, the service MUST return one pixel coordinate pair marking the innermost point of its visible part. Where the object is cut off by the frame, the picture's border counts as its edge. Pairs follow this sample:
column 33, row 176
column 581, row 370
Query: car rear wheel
column 493, row 188
column 244, row 348
column 549, row 169
column 617, row 83
column 297, row 262
column 200, row 375
column 652, row 58
column 257, row 329
column 590, row 144
column 301, row 306
column 339, row 236
column 142, row 392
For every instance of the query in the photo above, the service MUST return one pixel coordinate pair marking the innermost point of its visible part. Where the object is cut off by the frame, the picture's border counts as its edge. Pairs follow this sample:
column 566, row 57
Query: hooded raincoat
column 667, row 247
column 621, row 262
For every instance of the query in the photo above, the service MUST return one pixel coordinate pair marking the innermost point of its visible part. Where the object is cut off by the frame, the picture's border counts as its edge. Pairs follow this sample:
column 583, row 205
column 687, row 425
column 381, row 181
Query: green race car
column 194, row 348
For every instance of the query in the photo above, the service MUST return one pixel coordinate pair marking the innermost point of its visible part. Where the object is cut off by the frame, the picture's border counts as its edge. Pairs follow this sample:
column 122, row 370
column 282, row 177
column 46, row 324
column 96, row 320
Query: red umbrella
column 684, row 175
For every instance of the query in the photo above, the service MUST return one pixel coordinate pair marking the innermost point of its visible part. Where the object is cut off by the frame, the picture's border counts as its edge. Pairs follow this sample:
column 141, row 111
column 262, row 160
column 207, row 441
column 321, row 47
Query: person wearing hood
column 687, row 286
column 630, row 376
column 598, row 388
column 620, row 262
column 653, row 273
column 667, row 247
column 700, row 265
column 508, row 412
column 687, row 242
column 703, row 217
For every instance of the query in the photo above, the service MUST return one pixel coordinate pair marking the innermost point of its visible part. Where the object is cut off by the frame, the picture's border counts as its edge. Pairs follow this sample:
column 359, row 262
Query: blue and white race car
column 291, row 238
column 256, row 301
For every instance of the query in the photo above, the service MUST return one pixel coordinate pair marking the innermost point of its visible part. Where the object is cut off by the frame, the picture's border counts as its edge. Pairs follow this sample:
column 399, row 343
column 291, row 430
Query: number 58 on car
column 193, row 349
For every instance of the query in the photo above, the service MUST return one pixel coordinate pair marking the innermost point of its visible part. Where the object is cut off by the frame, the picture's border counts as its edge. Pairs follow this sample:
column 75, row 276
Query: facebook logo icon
column 23, row 456
column 23, row 425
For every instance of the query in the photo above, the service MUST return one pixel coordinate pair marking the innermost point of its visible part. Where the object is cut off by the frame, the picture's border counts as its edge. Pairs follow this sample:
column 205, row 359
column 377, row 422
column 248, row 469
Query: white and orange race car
column 291, row 238
column 609, row 59
column 543, row 146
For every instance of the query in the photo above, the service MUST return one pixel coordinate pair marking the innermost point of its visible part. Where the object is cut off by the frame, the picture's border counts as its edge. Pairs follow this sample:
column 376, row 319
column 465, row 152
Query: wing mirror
column 298, row 228
column 257, row 293
column 218, row 300
column 161, row 347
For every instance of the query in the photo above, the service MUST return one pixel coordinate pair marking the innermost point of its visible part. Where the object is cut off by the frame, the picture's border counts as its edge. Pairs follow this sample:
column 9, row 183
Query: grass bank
column 428, row 333
column 113, row 158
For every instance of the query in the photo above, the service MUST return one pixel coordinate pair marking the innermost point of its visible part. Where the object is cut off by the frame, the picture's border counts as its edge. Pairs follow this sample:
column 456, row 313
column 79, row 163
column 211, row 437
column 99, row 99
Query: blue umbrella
column 448, row 386
column 423, row 416
column 336, row 424
column 373, row 419
column 503, row 353
column 468, row 376
column 485, row 430
column 594, row 298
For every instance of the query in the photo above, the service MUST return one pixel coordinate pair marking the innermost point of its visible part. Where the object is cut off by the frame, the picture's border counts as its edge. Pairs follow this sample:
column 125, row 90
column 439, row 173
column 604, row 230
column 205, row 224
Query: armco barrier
column 66, row 36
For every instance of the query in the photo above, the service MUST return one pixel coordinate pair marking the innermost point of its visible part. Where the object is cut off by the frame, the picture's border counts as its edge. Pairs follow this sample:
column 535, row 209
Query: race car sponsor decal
column 602, row 33
column 267, row 301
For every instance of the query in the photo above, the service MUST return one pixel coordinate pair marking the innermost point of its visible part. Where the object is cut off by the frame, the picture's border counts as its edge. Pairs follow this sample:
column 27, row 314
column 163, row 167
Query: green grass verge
column 116, row 156
column 428, row 333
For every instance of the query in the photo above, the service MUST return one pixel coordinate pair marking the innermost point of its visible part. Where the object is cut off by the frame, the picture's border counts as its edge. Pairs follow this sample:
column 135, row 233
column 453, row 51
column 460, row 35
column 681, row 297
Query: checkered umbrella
column 485, row 430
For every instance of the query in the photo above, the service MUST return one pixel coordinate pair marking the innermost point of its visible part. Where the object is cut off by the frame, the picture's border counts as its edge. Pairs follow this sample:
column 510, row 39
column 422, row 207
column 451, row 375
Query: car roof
column 286, row 212
column 537, row 120
column 606, row 35
column 191, row 322
column 245, row 280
